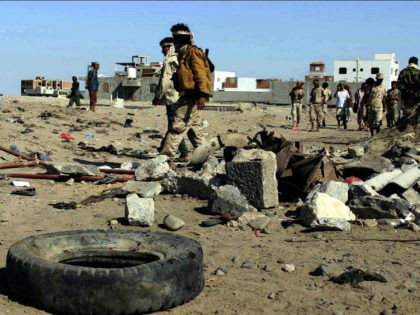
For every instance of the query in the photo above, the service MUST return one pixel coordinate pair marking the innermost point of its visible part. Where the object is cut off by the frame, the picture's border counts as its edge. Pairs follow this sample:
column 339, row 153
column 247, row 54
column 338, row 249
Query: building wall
column 218, row 77
column 246, row 85
column 360, row 70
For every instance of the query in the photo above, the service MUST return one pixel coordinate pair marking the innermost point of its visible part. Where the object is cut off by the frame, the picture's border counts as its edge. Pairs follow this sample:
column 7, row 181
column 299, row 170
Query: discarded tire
column 105, row 272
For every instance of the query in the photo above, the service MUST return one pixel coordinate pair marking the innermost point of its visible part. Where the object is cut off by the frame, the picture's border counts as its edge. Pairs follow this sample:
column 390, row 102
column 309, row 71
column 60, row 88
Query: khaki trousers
column 187, row 121
column 316, row 113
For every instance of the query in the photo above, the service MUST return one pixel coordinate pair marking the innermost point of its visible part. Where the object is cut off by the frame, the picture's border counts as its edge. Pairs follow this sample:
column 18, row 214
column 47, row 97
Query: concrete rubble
column 227, row 198
column 338, row 190
column 143, row 189
column 139, row 211
column 71, row 169
column 153, row 169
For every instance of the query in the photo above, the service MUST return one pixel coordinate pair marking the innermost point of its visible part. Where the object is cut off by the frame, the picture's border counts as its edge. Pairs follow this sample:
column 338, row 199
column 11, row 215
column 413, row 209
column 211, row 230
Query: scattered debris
column 24, row 192
column 64, row 205
column 354, row 276
column 21, row 184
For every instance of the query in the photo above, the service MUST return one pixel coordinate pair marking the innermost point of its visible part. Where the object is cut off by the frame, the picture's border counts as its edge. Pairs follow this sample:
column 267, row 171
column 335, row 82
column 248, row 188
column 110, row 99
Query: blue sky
column 259, row 39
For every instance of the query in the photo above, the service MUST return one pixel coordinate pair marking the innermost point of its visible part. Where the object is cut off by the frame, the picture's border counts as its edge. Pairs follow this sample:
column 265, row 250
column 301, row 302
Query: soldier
column 393, row 96
column 75, row 93
column 327, row 98
column 377, row 104
column 166, row 93
column 193, row 82
column 409, row 85
column 317, row 98
column 296, row 95
column 92, row 84
column 369, row 82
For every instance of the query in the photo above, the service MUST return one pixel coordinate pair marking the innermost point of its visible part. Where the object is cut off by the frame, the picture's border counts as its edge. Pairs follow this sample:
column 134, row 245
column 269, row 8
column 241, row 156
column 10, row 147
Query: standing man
column 193, row 82
column 316, row 101
column 393, row 96
column 296, row 95
column 75, row 93
column 409, row 85
column 166, row 93
column 327, row 98
column 358, row 107
column 92, row 85
column 377, row 104
column 342, row 96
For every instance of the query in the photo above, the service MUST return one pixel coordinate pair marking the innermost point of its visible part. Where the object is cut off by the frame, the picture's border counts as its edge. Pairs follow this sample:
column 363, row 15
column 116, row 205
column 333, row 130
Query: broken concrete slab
column 404, row 181
column 412, row 196
column 247, row 217
column 155, row 168
column 139, row 211
column 366, row 166
column 377, row 207
column 330, row 224
column 254, row 173
column 71, row 169
column 380, row 181
column 192, row 184
column 356, row 151
column 360, row 189
column 321, row 206
column 227, row 198
column 338, row 190
column 143, row 189
column 213, row 166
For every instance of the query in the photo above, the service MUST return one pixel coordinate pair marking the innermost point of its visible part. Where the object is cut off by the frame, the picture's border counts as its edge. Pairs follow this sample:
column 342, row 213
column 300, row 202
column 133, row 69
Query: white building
column 359, row 70
column 219, row 77
column 245, row 85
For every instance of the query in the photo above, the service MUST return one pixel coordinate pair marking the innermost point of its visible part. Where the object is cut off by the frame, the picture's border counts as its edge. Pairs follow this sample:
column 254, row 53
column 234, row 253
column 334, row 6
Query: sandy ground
column 262, row 289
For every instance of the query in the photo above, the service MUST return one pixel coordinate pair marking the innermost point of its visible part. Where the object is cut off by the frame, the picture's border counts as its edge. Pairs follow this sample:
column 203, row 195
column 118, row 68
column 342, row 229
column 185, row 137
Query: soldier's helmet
column 379, row 76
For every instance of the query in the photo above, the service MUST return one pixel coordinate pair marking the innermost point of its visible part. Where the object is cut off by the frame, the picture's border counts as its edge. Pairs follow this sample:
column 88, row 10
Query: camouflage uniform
column 377, row 95
column 327, row 97
column 392, row 106
column 409, row 85
column 317, row 97
column 297, row 96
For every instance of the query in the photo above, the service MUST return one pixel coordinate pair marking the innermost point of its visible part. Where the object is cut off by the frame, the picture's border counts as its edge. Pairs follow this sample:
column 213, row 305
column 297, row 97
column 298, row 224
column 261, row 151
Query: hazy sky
column 254, row 39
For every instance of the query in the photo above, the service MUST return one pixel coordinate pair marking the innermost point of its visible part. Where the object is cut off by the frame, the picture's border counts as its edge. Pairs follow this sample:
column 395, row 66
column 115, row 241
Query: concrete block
column 254, row 173
column 143, row 189
column 338, row 190
column 72, row 169
column 192, row 184
column 153, row 169
column 227, row 198
column 360, row 189
column 139, row 211
column 331, row 224
column 322, row 206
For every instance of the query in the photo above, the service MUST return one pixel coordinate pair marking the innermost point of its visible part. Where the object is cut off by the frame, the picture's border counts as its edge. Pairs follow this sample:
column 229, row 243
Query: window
column 218, row 79
column 374, row 70
column 354, row 69
column 342, row 70
column 396, row 72
column 153, row 88
column 361, row 70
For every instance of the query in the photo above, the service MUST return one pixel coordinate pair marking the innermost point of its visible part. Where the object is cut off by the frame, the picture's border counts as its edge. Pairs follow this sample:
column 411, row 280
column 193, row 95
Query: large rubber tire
column 37, row 275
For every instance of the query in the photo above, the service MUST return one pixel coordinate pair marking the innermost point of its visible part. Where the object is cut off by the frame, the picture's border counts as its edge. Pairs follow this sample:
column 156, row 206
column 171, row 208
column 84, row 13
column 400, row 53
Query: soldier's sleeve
column 201, row 72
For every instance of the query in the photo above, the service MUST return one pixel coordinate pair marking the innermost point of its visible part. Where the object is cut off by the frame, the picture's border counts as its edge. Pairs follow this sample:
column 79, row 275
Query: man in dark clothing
column 75, row 93
column 409, row 85
column 92, row 85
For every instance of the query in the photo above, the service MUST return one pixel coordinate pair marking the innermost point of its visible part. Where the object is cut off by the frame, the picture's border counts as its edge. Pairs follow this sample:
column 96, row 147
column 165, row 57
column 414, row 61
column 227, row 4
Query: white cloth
column 342, row 96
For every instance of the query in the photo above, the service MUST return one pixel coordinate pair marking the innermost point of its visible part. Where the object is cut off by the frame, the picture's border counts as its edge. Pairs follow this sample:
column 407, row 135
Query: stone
column 412, row 196
column 330, row 224
column 113, row 222
column 391, row 222
column 356, row 151
column 338, row 190
column 139, row 211
column 72, row 169
column 204, row 150
column 254, row 173
column 259, row 223
column 213, row 166
column 172, row 222
column 321, row 270
column 369, row 222
column 376, row 298
column 360, row 189
column 248, row 264
column 155, row 168
column 219, row 272
column 192, row 184
column 247, row 217
column 227, row 198
column 143, row 189
column 387, row 311
column 408, row 165
column 322, row 205
column 288, row 268
column 367, row 164
column 377, row 207
column 70, row 182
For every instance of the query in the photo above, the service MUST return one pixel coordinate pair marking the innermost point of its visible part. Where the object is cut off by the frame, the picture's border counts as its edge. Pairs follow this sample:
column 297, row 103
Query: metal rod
column 109, row 171
column 19, row 155
column 19, row 164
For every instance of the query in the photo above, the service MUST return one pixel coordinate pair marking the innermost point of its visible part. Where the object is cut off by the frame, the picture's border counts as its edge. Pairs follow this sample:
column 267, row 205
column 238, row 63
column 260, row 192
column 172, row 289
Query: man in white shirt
column 342, row 96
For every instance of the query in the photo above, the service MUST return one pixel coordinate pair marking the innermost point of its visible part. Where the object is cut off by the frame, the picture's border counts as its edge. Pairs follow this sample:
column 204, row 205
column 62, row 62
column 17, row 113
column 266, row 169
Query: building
column 358, row 70
column 28, row 87
column 137, row 81
column 317, row 71
column 237, row 84
column 219, row 77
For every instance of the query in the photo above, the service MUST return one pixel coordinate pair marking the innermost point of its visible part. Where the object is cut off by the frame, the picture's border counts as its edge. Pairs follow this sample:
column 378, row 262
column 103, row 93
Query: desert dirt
column 262, row 289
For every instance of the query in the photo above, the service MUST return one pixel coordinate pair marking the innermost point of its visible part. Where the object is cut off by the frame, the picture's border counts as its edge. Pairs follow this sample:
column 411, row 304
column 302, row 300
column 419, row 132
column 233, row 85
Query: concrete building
column 235, row 84
column 40, row 82
column 359, row 70
column 317, row 71
column 219, row 77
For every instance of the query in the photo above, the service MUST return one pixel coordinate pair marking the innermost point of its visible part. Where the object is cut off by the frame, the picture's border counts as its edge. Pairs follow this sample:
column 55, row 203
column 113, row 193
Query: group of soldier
column 370, row 101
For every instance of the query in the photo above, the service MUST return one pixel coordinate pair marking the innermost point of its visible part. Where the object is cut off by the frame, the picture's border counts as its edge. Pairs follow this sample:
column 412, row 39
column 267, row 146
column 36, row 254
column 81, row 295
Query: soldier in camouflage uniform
column 327, row 98
column 393, row 96
column 296, row 95
column 317, row 98
column 377, row 104
column 409, row 85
